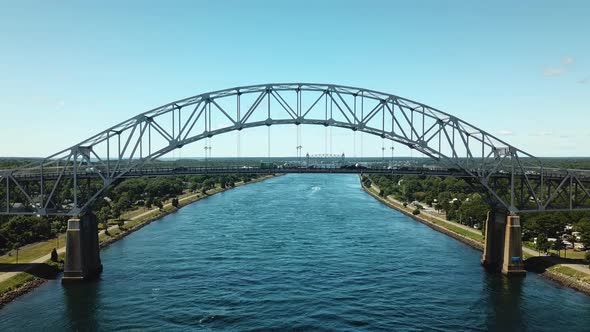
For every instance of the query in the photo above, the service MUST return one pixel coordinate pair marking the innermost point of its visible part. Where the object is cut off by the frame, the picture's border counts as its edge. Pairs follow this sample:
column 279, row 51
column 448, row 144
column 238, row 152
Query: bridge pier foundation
column 503, row 245
column 512, row 262
column 494, row 240
column 82, row 261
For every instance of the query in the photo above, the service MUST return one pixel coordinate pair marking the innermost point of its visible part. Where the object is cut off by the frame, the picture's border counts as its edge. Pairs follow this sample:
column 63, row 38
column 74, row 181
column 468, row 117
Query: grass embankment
column 568, row 271
column 33, row 251
column 134, row 220
column 434, row 220
column 563, row 274
column 36, row 273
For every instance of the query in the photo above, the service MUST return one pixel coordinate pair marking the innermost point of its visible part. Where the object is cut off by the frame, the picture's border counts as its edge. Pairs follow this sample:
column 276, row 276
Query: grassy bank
column 430, row 220
column 562, row 274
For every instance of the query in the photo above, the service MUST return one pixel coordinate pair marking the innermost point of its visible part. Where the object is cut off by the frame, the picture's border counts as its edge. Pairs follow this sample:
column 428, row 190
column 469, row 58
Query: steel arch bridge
column 59, row 185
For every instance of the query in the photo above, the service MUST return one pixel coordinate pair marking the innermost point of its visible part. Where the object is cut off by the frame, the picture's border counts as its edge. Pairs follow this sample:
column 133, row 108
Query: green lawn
column 571, row 272
column 461, row 231
column 34, row 251
column 15, row 282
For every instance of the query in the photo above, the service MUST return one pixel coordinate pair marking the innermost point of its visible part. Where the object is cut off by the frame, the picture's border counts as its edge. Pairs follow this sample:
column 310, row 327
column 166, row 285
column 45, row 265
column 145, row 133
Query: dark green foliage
column 175, row 202
column 473, row 211
column 149, row 202
column 104, row 214
column 583, row 226
column 54, row 256
column 558, row 245
column 542, row 244
column 416, row 211
column 24, row 230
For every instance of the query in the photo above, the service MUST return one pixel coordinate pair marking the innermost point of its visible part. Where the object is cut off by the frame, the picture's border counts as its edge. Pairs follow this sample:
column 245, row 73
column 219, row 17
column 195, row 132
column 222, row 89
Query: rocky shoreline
column 567, row 281
column 30, row 285
column 22, row 290
column 557, row 277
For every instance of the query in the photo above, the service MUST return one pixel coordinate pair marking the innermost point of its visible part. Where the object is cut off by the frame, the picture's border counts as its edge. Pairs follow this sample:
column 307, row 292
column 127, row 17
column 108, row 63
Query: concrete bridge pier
column 512, row 263
column 503, row 244
column 82, row 261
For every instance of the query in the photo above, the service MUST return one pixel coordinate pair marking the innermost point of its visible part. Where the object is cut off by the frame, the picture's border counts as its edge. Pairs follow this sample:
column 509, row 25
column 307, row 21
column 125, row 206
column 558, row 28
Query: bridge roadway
column 94, row 173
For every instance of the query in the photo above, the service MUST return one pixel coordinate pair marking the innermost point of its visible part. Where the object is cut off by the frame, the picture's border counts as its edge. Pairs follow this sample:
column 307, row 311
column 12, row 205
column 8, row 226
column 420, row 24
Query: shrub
column 416, row 212
column 54, row 255
column 175, row 202
column 405, row 204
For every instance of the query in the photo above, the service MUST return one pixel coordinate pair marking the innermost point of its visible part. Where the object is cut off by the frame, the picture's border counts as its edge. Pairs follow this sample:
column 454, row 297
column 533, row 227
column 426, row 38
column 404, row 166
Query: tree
column 116, row 212
column 16, row 246
column 416, row 211
column 583, row 226
column 175, row 202
column 558, row 245
column 542, row 243
column 474, row 210
column 437, row 207
column 149, row 202
column 443, row 200
column 104, row 214
column 159, row 204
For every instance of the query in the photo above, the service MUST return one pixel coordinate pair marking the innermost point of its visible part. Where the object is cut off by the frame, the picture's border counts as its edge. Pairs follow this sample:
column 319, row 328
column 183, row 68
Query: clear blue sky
column 518, row 69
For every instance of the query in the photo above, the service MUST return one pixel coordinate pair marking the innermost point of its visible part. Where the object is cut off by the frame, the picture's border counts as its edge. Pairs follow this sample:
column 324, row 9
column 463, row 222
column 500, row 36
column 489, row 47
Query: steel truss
column 60, row 185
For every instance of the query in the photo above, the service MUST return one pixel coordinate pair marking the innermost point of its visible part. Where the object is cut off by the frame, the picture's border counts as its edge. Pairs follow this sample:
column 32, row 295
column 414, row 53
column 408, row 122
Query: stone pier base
column 82, row 261
column 512, row 262
column 503, row 245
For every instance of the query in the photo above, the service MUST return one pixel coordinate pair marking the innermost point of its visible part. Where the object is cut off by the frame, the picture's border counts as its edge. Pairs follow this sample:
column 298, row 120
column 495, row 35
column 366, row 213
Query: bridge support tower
column 82, row 261
column 503, row 244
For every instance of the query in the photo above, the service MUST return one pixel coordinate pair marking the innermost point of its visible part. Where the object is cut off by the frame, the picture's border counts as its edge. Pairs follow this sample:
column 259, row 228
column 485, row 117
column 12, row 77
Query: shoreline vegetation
column 544, row 265
column 32, row 275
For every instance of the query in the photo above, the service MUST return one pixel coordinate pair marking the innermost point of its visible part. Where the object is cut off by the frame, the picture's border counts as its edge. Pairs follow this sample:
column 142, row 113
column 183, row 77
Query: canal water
column 297, row 252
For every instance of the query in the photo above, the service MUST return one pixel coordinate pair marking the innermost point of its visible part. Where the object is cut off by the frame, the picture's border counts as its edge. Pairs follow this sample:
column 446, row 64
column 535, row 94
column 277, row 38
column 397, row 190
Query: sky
column 517, row 69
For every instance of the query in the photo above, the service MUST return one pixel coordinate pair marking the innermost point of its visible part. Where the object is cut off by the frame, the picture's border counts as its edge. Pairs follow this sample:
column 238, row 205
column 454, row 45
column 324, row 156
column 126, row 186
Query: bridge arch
column 149, row 135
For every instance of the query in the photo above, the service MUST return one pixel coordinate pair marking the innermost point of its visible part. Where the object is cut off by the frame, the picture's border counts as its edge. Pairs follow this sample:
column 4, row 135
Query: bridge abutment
column 82, row 261
column 503, row 244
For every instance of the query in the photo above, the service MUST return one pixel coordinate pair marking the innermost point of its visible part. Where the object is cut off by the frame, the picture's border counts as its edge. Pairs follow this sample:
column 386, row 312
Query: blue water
column 297, row 252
